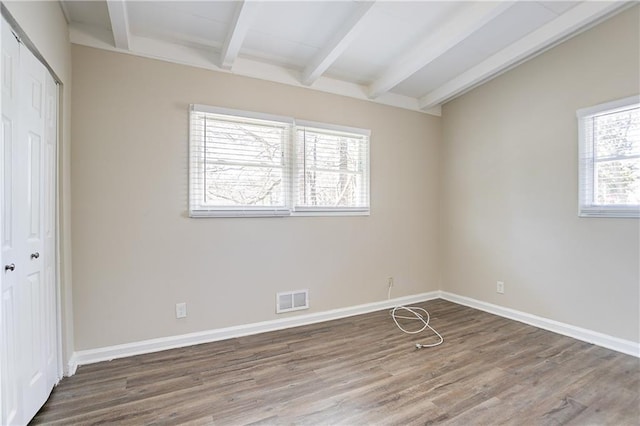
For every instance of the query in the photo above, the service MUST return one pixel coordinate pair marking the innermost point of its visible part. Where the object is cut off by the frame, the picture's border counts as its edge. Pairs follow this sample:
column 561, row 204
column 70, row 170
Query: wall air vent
column 288, row 301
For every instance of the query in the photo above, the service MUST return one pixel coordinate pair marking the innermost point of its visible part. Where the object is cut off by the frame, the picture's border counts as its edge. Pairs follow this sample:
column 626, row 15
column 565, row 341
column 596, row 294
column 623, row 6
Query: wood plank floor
column 363, row 370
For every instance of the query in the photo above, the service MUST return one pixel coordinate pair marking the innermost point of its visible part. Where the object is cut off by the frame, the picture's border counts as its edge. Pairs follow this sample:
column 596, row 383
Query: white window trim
column 586, row 207
column 290, row 209
column 333, row 127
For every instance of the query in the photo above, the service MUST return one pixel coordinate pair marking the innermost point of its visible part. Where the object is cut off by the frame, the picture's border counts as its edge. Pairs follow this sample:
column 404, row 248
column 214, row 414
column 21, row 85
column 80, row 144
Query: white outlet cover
column 500, row 287
column 181, row 310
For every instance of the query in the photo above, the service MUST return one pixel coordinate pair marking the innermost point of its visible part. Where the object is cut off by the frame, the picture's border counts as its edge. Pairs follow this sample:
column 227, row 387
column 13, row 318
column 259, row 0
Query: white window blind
column 331, row 169
column 238, row 164
column 251, row 164
column 610, row 159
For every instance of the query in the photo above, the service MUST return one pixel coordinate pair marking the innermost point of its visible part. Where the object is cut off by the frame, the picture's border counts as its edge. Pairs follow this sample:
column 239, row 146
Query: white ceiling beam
column 579, row 18
column 87, row 35
column 119, row 23
column 65, row 11
column 246, row 11
column 443, row 39
column 338, row 44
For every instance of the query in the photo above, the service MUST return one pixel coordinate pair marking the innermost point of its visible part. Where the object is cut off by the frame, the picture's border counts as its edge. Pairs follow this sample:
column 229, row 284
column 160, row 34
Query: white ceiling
column 411, row 54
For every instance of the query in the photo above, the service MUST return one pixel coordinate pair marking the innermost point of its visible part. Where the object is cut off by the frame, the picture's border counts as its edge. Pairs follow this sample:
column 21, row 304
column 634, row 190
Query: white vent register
column 292, row 301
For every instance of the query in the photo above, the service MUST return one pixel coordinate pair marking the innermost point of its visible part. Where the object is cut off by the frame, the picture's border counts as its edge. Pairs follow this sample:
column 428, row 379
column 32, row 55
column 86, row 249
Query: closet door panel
column 10, row 408
column 34, row 321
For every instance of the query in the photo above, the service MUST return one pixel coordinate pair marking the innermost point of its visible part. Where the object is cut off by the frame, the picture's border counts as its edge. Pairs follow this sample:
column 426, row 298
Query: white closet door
column 10, row 393
column 29, row 317
column 33, row 303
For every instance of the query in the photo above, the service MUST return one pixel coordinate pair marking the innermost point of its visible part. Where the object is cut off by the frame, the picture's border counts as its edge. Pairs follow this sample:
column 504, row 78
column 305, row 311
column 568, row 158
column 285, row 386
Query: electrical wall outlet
column 181, row 310
column 390, row 281
column 500, row 287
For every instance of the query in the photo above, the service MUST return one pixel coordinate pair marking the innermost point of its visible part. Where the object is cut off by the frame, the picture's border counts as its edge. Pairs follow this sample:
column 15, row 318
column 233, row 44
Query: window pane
column 237, row 162
column 617, row 182
column 332, row 152
column 331, row 169
column 331, row 189
column 228, row 141
column 243, row 186
column 617, row 134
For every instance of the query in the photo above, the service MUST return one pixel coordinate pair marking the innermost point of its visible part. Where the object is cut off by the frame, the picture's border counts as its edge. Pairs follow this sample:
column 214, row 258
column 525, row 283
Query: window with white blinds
column 331, row 169
column 610, row 159
column 239, row 163
column 251, row 164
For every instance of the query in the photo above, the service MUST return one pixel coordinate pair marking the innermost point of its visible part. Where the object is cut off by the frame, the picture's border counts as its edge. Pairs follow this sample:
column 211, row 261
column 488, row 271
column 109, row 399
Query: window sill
column 230, row 213
column 238, row 213
column 610, row 212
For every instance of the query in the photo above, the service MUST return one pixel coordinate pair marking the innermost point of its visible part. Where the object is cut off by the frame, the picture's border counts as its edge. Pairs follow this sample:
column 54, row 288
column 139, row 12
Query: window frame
column 196, row 173
column 299, row 210
column 586, row 162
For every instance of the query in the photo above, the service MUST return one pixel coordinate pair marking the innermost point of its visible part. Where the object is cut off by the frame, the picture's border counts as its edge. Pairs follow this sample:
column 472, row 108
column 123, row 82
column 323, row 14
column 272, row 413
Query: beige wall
column 509, row 188
column 45, row 26
column 136, row 253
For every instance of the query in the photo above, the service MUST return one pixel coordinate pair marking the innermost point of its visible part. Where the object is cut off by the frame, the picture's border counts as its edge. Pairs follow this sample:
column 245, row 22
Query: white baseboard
column 154, row 345
column 620, row 345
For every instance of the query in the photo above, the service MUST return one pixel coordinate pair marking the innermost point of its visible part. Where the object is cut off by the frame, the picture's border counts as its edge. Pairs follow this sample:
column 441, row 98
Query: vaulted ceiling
column 411, row 54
